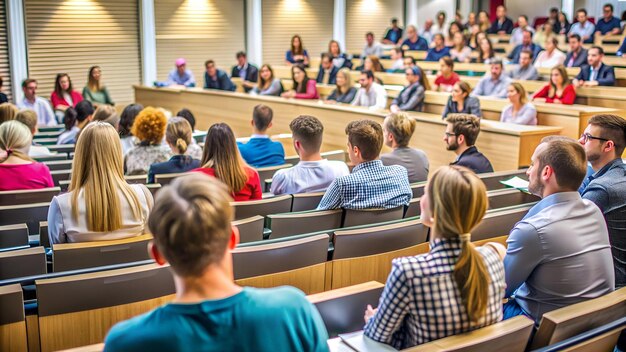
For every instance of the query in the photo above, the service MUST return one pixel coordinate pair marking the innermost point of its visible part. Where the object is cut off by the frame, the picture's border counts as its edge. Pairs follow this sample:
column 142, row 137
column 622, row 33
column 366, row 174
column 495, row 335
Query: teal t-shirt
column 277, row 319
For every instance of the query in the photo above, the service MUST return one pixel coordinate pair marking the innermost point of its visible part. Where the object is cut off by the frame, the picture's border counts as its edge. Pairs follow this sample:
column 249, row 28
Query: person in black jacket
column 502, row 24
column 327, row 73
column 461, row 134
column 248, row 73
column 595, row 72
column 215, row 78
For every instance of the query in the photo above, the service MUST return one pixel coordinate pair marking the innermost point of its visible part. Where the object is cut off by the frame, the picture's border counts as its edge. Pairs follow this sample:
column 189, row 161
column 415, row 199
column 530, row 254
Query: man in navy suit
column 248, row 73
column 577, row 56
column 327, row 73
column 595, row 73
column 502, row 24
column 527, row 44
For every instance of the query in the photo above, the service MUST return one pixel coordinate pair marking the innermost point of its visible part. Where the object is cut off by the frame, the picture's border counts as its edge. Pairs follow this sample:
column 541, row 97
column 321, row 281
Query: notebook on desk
column 361, row 343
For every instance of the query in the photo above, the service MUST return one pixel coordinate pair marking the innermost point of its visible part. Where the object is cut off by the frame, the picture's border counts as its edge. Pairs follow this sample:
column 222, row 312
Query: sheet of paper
column 361, row 343
column 516, row 182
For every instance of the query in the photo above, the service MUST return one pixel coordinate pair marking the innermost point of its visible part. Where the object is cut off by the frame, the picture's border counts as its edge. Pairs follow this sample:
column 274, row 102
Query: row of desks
column 508, row 146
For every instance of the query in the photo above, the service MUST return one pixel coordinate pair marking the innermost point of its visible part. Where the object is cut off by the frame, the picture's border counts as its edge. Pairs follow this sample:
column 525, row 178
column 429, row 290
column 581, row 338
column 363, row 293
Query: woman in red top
column 222, row 160
column 17, row 170
column 559, row 91
column 303, row 86
column 64, row 96
column 447, row 77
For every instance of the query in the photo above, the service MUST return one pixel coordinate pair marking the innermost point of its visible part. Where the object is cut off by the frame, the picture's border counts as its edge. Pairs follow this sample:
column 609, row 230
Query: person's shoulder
column 280, row 298
column 137, row 333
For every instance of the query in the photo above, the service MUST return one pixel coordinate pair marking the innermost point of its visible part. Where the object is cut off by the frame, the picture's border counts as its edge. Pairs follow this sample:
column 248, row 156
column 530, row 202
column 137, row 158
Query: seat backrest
column 288, row 224
column 413, row 209
column 263, row 207
column 22, row 262
column 492, row 179
column 28, row 196
column 279, row 256
column 383, row 238
column 53, row 157
column 306, row 201
column 30, row 214
column 73, row 256
column 250, row 229
column 499, row 223
column 137, row 179
column 62, row 148
column 44, row 240
column 339, row 155
column 418, row 189
column 13, row 236
column 60, row 175
column 604, row 338
column 12, row 319
column 153, row 188
column 354, row 217
column 509, row 335
column 166, row 179
column 575, row 319
column 67, row 305
column 342, row 309
column 266, row 173
column 59, row 165
column 503, row 198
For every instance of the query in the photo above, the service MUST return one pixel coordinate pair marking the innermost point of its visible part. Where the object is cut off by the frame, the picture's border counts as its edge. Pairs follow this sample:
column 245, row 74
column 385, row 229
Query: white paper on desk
column 361, row 343
column 516, row 182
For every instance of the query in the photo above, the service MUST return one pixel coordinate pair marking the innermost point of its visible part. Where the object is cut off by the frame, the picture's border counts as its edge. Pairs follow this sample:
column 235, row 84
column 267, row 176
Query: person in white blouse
column 371, row 94
column 551, row 56
column 520, row 111
column 90, row 211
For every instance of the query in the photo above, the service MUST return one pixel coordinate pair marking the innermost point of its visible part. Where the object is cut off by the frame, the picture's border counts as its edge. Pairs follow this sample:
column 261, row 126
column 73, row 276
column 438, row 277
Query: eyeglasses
column 448, row 134
column 586, row 137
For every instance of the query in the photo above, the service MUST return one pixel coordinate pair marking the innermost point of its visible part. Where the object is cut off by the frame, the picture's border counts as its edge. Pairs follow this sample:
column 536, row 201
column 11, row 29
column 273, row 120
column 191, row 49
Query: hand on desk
column 288, row 94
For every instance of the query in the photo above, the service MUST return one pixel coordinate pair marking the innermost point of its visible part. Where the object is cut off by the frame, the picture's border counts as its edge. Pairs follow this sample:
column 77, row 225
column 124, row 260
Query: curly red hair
column 149, row 125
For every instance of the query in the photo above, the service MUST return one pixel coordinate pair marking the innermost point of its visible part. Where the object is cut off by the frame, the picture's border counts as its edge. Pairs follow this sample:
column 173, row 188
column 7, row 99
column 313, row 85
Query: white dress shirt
column 375, row 98
column 308, row 176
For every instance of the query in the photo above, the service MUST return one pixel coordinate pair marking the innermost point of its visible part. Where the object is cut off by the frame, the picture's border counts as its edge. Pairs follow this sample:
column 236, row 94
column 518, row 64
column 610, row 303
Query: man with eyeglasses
column 411, row 98
column 460, row 136
column 604, row 141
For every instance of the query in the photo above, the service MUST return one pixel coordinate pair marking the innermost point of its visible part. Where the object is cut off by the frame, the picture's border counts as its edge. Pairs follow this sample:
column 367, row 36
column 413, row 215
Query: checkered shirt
column 421, row 301
column 370, row 185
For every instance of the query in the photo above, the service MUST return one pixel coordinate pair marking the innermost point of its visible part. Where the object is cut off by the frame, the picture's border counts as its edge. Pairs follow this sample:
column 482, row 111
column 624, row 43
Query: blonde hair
column 523, row 98
column 178, row 134
column 15, row 139
column 149, row 125
column 99, row 172
column 401, row 126
column 7, row 112
column 345, row 72
column 28, row 118
column 92, row 83
column 458, row 202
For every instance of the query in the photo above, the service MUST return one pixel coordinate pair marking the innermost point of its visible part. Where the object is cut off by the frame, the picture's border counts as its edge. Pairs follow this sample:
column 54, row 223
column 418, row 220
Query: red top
column 250, row 191
column 440, row 80
column 60, row 100
column 568, row 97
column 24, row 176
column 311, row 91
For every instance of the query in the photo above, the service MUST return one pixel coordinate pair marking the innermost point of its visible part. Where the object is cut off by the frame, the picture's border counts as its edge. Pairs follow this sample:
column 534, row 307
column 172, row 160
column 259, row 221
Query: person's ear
column 234, row 238
column 547, row 172
column 269, row 125
column 156, row 254
column 460, row 139
column 610, row 145
column 356, row 151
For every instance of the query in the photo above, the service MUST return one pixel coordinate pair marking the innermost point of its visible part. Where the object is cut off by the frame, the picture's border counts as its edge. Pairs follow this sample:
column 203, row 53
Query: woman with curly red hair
column 149, row 128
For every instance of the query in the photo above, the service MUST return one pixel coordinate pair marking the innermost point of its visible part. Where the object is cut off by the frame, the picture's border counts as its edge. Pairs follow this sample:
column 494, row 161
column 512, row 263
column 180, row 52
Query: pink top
column 24, row 176
column 60, row 100
column 311, row 91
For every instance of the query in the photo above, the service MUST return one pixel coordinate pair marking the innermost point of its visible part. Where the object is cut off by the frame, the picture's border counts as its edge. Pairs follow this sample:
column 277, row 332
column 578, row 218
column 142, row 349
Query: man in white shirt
column 39, row 105
column 371, row 94
column 312, row 173
column 371, row 47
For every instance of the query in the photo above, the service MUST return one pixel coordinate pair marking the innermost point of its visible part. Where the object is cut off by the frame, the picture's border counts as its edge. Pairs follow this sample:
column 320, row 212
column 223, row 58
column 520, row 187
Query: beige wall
column 364, row 16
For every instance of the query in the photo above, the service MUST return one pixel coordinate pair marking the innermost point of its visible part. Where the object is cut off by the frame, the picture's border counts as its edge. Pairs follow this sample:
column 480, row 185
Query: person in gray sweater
column 397, row 131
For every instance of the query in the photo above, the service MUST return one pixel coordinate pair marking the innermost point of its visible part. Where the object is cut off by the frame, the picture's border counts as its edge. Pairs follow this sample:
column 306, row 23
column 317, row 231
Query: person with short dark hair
column 584, row 28
column 525, row 69
column 192, row 227
column 248, row 73
column 39, row 105
column 74, row 123
column 439, row 50
column 608, row 24
column 312, row 173
column 545, row 269
column 461, row 133
column 393, row 35
column 445, row 80
column 577, row 55
column 371, row 185
column 398, row 128
column 595, row 73
column 502, row 24
column 327, row 73
column 413, row 40
column 127, row 119
column 260, row 150
column 371, row 47
column 604, row 141
column 214, row 78
column 370, row 94
column 527, row 44
column 493, row 84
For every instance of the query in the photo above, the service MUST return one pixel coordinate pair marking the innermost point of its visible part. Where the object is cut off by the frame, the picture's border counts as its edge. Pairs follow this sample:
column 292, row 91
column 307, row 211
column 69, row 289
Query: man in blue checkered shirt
column 371, row 184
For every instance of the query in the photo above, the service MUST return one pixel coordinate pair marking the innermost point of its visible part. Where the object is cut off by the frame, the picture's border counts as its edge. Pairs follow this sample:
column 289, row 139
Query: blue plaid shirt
column 371, row 185
column 421, row 301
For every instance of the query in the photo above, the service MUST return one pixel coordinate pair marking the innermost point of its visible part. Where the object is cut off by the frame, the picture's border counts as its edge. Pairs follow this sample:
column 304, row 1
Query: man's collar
column 243, row 68
column 260, row 136
column 606, row 167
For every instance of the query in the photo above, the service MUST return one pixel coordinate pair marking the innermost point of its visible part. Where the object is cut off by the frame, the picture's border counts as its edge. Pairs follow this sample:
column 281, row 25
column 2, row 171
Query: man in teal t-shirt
column 191, row 224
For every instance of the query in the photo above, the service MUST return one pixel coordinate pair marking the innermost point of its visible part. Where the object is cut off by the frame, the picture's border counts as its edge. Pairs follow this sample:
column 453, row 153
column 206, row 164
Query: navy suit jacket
column 474, row 160
column 605, row 75
column 514, row 55
column 333, row 75
column 581, row 59
column 252, row 75
column 507, row 26
column 222, row 82
column 176, row 164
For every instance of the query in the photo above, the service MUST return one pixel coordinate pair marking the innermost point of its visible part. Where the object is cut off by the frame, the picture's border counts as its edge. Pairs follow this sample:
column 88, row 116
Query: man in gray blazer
column 577, row 55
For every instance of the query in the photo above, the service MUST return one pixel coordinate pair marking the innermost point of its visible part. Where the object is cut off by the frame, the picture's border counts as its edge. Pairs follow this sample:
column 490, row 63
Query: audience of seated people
column 551, row 56
column 221, row 159
column 438, row 50
column 544, row 269
column 461, row 133
column 371, row 47
column 127, row 119
column 149, row 129
column 604, row 140
column 493, row 84
column 583, row 27
column 518, row 33
column 413, row 40
column 64, row 96
column 340, row 60
column 344, row 91
column 525, row 69
column 447, row 78
column 393, row 35
column 559, row 90
column 297, row 54
column 411, row 97
column 370, row 94
column 398, row 129
column 577, row 55
column 191, row 225
column 371, row 185
column 76, row 121
column 178, row 138
column 260, row 150
column 38, row 104
column 100, row 205
column 248, row 73
column 327, row 73
column 214, row 78
column 303, row 86
column 595, row 72
column 312, row 173
column 453, row 288
column 29, row 118
column 527, row 44
column 460, row 101
column 547, row 31
column 17, row 170
column 181, row 76
column 96, row 92
column 520, row 111
column 440, row 26
column 268, row 84
column 502, row 24
column 108, row 114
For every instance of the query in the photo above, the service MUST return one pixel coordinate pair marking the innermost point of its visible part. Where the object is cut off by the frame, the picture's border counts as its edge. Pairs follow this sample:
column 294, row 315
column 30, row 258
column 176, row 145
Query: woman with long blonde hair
column 100, row 205
column 455, row 287
column 7, row 112
column 222, row 160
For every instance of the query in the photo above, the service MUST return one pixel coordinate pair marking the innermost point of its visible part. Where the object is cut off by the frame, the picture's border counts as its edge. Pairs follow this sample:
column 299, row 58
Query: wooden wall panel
column 72, row 35
column 198, row 31
column 5, row 70
column 374, row 16
column 311, row 19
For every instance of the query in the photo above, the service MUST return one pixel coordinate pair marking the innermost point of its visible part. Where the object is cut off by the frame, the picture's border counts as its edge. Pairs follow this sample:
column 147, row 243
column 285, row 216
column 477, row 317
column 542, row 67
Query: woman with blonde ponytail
column 17, row 169
column 178, row 137
column 455, row 287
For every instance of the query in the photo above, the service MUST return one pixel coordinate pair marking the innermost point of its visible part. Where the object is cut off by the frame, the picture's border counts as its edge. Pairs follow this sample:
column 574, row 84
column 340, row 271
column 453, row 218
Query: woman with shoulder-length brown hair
column 560, row 90
column 467, row 291
column 303, row 86
column 95, row 91
column 100, row 205
column 268, row 83
column 297, row 54
column 222, row 160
